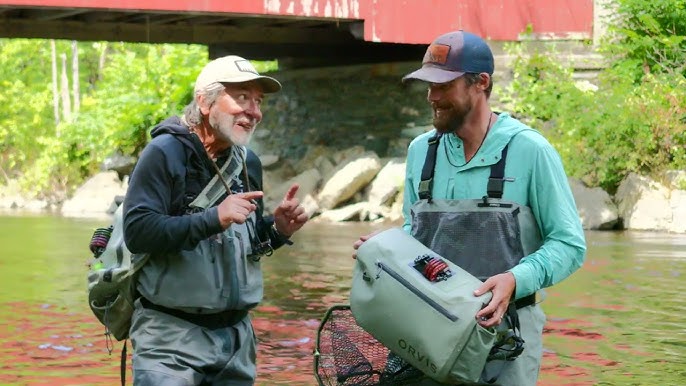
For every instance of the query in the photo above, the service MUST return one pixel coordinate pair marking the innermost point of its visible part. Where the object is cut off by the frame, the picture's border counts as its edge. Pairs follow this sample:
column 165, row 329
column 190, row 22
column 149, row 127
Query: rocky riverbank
column 357, row 185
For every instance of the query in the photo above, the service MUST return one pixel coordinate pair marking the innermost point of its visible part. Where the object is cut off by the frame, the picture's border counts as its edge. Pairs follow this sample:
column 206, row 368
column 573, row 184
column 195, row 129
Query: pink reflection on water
column 52, row 346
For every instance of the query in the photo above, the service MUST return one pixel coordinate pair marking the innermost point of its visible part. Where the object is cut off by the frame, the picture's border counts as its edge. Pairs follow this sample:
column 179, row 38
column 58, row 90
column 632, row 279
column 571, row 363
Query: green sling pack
column 421, row 307
column 110, row 279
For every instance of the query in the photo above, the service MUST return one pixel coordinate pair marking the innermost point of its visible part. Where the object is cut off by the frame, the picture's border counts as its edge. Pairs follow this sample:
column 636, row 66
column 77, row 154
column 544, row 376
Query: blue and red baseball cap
column 452, row 55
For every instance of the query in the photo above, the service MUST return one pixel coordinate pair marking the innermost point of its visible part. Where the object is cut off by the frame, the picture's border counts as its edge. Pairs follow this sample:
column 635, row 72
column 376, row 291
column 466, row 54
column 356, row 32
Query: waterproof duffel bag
column 421, row 307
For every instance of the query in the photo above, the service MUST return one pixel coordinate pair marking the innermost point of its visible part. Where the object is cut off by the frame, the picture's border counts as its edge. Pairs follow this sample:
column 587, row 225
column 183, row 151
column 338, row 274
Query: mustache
column 441, row 106
column 246, row 121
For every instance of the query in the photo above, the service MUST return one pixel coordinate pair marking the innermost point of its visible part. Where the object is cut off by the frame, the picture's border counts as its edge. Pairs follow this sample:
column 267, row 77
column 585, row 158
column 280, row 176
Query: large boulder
column 644, row 204
column 387, row 183
column 354, row 212
column 94, row 198
column 677, row 201
column 308, row 181
column 122, row 164
column 348, row 179
column 594, row 206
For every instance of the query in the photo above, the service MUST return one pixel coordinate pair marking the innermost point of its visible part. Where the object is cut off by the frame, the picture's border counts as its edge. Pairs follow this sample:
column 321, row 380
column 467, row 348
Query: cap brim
column 269, row 84
column 433, row 75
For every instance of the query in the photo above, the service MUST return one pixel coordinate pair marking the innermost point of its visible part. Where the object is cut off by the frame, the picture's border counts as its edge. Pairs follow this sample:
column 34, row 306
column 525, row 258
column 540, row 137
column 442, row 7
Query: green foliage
column 636, row 119
column 266, row 66
column 125, row 90
column 648, row 37
column 25, row 100
column 138, row 88
column 605, row 134
column 540, row 86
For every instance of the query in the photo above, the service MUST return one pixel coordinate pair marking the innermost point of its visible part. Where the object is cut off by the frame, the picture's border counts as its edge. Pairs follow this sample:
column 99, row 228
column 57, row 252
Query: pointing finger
column 290, row 194
column 251, row 195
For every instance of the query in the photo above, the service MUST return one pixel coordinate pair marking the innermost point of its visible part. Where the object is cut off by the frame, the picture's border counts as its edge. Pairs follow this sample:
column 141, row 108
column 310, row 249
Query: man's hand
column 237, row 207
column 289, row 216
column 361, row 241
column 502, row 286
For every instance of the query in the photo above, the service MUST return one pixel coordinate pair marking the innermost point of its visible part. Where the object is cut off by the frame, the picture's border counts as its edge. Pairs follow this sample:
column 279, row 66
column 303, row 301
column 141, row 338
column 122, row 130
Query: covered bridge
column 299, row 33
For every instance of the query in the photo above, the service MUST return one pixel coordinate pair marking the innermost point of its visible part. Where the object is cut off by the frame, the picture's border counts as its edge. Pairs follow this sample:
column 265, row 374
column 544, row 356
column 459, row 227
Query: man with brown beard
column 490, row 194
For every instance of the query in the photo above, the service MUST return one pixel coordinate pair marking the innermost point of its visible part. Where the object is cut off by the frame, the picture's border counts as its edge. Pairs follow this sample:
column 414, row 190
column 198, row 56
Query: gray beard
column 227, row 134
column 244, row 141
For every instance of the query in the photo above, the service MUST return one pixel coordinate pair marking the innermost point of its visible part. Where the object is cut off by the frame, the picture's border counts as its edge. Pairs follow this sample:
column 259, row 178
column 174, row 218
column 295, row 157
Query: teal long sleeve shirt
column 534, row 176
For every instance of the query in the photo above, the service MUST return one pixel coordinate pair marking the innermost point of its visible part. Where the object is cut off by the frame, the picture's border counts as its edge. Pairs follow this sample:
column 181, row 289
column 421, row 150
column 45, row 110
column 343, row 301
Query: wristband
column 285, row 239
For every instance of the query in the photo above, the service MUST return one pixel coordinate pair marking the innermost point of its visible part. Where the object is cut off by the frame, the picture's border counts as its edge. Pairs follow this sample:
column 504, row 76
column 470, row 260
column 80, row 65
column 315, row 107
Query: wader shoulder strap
column 426, row 183
column 494, row 189
column 215, row 189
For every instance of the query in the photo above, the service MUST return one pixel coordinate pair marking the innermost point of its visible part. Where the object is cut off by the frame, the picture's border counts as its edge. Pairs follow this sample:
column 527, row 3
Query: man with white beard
column 194, row 204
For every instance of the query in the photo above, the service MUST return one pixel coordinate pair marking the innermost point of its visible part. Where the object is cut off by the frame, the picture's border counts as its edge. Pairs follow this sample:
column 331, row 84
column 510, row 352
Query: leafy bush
column 635, row 121
column 139, row 86
column 647, row 36
column 25, row 100
column 125, row 88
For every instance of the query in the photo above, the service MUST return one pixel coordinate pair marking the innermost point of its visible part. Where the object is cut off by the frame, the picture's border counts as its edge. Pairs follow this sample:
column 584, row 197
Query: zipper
column 243, row 261
column 214, row 245
column 432, row 303
column 233, row 270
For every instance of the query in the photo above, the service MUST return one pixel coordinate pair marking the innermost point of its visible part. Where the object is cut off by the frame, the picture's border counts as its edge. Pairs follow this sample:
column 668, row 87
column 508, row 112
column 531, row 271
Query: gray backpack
column 110, row 279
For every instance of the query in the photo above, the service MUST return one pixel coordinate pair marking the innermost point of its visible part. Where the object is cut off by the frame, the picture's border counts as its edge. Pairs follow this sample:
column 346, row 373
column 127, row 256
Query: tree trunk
column 55, row 94
column 75, row 76
column 101, row 61
column 66, row 102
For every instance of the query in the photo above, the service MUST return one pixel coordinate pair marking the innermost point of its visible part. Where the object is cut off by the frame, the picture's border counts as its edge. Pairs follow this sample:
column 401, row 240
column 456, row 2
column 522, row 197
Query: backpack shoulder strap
column 426, row 183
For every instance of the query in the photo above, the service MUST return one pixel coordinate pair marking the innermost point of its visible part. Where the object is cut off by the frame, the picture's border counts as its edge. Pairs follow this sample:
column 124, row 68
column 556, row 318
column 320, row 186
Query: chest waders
column 112, row 287
column 485, row 237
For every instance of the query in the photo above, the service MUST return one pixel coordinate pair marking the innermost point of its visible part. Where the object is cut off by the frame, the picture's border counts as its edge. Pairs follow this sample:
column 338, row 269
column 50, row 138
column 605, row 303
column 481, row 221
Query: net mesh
column 470, row 238
column 346, row 355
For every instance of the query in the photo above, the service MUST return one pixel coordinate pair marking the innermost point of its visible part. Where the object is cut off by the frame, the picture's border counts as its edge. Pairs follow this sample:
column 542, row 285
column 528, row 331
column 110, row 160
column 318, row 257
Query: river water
column 619, row 320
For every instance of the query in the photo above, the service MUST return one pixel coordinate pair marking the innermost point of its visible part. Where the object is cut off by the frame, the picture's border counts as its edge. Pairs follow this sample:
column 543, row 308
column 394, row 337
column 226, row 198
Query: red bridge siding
column 418, row 21
column 393, row 21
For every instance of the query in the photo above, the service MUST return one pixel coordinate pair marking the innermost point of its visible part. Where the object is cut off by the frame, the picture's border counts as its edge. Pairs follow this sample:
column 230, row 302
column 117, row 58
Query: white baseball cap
column 233, row 69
